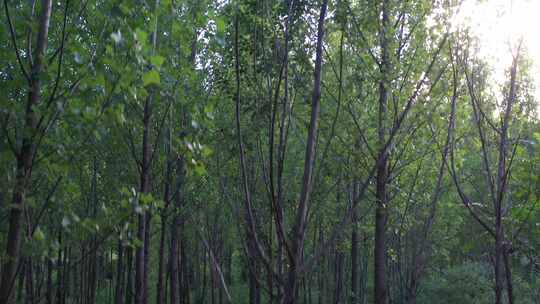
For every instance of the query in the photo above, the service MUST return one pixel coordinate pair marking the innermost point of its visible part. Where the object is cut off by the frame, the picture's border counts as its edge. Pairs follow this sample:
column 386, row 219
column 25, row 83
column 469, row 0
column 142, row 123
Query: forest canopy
column 267, row 151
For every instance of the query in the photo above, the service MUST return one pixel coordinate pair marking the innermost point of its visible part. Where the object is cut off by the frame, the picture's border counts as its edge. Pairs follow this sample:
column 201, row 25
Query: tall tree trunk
column 355, row 270
column 381, row 211
column 50, row 290
column 175, row 226
column 25, row 159
column 83, row 283
column 299, row 229
column 253, row 274
column 20, row 294
column 93, row 244
column 160, row 297
column 66, row 271
column 186, row 272
column 321, row 271
column 503, row 172
column 509, row 285
column 129, row 276
column 119, row 289
column 60, row 270
column 339, row 260
column 146, row 260
column 142, row 257
column 29, row 282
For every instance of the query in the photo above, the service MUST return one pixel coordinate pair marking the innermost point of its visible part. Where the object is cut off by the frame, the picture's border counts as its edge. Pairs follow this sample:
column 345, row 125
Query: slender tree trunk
column 119, row 289
column 83, row 283
column 176, row 223
column 20, row 294
column 143, row 232
column 339, row 260
column 146, row 260
column 129, row 276
column 60, row 270
column 498, row 259
column 50, row 290
column 381, row 216
column 254, row 290
column 160, row 297
column 321, row 271
column 253, row 273
column 355, row 283
column 509, row 285
column 501, row 259
column 186, row 273
column 381, row 212
column 29, row 283
column 24, row 160
column 299, row 229
column 93, row 245
column 66, row 271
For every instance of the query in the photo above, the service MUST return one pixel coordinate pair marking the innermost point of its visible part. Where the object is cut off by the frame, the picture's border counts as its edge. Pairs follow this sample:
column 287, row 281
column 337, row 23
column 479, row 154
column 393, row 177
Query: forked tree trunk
column 299, row 229
column 25, row 159
column 503, row 172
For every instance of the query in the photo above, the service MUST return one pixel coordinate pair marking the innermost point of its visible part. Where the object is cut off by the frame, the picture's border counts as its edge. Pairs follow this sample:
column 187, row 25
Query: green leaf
column 206, row 151
column 119, row 115
column 200, row 170
column 39, row 235
column 220, row 25
column 151, row 77
column 125, row 8
column 157, row 60
column 176, row 29
column 166, row 3
column 141, row 36
column 146, row 198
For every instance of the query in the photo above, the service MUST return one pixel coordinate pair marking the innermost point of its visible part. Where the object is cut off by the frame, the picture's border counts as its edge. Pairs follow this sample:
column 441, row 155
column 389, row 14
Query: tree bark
column 50, row 289
column 142, row 257
column 129, row 276
column 509, row 285
column 60, row 272
column 119, row 289
column 502, row 181
column 160, row 290
column 25, row 158
column 173, row 255
column 381, row 212
column 339, row 260
column 29, row 281
column 355, row 270
column 299, row 229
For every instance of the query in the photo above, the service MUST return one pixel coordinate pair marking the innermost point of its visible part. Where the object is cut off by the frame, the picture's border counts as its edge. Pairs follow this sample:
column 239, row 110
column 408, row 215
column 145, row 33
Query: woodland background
column 263, row 151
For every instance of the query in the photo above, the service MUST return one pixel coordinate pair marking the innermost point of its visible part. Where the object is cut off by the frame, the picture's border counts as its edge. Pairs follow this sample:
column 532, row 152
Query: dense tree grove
column 263, row 151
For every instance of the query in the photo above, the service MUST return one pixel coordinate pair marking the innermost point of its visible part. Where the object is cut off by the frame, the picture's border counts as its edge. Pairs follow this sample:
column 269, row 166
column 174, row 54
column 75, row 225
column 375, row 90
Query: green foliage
column 467, row 283
column 91, row 136
column 151, row 77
